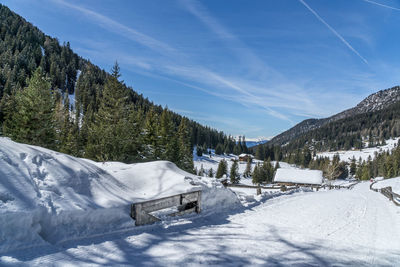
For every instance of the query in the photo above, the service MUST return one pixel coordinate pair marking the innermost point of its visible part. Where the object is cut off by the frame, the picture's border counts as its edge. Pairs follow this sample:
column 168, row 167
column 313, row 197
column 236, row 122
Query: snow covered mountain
column 374, row 102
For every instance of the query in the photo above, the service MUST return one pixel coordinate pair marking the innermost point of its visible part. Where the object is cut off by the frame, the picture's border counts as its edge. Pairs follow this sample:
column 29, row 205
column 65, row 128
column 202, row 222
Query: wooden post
column 258, row 190
column 283, row 188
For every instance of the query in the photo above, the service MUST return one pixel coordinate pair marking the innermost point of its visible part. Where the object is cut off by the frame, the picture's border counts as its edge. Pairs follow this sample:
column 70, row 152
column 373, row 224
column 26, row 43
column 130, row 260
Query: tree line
column 35, row 67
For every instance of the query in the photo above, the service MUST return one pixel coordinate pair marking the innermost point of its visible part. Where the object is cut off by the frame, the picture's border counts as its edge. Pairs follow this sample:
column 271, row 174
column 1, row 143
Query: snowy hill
column 374, row 102
column 347, row 155
column 46, row 196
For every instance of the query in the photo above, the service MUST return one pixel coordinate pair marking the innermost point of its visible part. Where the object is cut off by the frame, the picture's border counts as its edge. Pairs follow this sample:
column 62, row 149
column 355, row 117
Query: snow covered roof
column 298, row 176
column 246, row 155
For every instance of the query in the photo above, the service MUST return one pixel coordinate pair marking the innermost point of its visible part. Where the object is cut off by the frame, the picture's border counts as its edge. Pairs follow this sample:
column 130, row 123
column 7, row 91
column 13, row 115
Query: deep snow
column 298, row 176
column 57, row 210
column 356, row 227
column 46, row 196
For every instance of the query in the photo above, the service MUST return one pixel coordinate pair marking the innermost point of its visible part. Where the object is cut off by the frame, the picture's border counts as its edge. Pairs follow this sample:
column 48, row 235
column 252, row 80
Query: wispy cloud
column 118, row 28
column 382, row 5
column 263, row 89
column 333, row 31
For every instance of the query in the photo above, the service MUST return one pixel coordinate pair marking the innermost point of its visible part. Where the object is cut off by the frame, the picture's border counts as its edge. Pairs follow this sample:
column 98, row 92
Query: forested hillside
column 52, row 97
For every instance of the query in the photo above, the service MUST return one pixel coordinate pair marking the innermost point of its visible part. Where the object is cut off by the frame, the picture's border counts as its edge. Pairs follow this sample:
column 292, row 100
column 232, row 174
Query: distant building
column 246, row 157
column 298, row 177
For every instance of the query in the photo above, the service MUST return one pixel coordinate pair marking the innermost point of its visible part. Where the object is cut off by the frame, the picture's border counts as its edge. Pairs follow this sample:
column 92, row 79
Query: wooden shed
column 246, row 157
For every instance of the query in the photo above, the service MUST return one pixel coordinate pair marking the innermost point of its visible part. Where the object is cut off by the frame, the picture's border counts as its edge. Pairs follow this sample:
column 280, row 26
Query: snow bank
column 46, row 196
column 298, row 176
column 393, row 182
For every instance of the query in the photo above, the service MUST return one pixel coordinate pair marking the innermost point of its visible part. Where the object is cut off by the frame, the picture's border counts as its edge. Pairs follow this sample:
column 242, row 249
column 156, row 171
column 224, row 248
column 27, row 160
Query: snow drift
column 47, row 196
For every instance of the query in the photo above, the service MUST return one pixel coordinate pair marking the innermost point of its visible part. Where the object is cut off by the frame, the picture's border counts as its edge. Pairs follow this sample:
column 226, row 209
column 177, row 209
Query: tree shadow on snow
column 190, row 240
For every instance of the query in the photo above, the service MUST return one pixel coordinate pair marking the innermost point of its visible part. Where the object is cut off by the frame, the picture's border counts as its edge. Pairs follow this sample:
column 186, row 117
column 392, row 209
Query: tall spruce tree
column 222, row 169
column 29, row 116
column 234, row 173
column 110, row 135
column 185, row 152
column 247, row 171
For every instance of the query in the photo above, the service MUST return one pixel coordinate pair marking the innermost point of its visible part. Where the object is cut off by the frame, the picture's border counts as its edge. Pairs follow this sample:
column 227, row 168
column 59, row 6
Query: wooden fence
column 285, row 187
column 387, row 192
column 185, row 203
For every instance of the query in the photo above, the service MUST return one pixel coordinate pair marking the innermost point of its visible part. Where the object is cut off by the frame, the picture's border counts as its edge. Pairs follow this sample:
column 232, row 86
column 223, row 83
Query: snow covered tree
column 234, row 173
column 247, row 171
column 210, row 172
column 222, row 169
column 201, row 171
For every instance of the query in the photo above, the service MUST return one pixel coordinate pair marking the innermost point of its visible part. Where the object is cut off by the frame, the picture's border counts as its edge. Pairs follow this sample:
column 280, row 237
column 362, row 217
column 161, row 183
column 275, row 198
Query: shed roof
column 298, row 176
column 246, row 155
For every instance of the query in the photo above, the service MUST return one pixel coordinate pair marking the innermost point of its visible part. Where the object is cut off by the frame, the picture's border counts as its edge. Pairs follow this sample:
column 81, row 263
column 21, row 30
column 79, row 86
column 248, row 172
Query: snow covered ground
column 57, row 210
column 212, row 161
column 347, row 155
column 393, row 182
column 355, row 227
column 49, row 197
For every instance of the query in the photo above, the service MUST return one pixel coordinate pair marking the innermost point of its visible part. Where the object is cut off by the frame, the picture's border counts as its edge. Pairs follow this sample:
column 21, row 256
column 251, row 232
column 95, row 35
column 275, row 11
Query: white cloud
column 333, row 31
column 382, row 5
column 120, row 29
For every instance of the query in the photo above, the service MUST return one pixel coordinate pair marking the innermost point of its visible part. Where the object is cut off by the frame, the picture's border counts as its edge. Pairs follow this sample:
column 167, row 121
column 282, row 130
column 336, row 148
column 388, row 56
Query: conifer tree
column 256, row 177
column 234, row 173
column 247, row 171
column 151, row 137
column 185, row 151
column 29, row 114
column 353, row 166
column 110, row 135
column 222, row 169
column 201, row 171
column 166, row 135
column 210, row 172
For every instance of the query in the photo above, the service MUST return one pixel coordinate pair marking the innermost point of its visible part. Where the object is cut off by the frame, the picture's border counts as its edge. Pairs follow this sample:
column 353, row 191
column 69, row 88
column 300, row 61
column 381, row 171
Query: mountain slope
column 24, row 48
column 372, row 103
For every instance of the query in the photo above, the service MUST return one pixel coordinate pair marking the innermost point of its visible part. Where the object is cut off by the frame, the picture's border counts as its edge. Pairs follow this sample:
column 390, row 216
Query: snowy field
column 348, row 155
column 355, row 227
column 212, row 161
column 57, row 210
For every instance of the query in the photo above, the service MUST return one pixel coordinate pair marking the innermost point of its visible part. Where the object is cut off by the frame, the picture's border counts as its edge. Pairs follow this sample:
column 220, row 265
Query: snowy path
column 339, row 227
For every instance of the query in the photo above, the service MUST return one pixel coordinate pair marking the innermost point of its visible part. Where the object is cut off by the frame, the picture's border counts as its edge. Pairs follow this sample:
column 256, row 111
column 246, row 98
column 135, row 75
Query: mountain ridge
column 373, row 102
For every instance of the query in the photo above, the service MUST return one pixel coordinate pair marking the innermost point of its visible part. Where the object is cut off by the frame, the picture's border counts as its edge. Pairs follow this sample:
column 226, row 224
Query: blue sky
column 253, row 68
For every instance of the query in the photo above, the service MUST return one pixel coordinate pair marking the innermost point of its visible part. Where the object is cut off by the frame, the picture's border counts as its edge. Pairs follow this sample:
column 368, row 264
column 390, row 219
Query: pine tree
column 151, row 137
column 210, row 172
column 166, row 134
column 185, row 151
column 201, row 171
column 110, row 137
column 234, row 173
column 29, row 114
column 247, row 171
column 222, row 169
column 256, row 176
column 353, row 166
